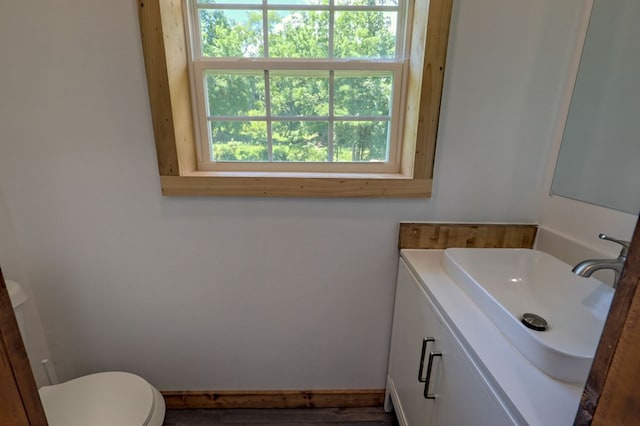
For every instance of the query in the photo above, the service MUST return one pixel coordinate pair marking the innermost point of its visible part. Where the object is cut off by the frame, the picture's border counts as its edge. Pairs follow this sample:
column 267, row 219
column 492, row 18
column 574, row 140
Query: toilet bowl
column 101, row 399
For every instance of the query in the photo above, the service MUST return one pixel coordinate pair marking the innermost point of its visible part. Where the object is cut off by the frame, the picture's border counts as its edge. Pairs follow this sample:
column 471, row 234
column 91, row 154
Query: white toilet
column 101, row 399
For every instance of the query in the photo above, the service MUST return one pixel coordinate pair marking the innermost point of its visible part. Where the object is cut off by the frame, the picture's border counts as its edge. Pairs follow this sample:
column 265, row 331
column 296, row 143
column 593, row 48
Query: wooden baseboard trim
column 275, row 399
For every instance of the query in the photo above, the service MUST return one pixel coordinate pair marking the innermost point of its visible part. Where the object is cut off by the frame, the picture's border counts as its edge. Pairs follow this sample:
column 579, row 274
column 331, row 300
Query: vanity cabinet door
column 413, row 321
column 462, row 397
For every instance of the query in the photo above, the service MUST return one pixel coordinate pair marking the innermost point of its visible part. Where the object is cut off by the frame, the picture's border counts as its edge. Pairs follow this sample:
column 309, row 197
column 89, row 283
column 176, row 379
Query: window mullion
column 196, row 42
column 191, row 20
column 265, row 29
column 267, row 101
column 202, row 101
column 331, row 115
column 402, row 41
column 330, row 133
column 331, row 28
column 267, row 80
column 301, row 64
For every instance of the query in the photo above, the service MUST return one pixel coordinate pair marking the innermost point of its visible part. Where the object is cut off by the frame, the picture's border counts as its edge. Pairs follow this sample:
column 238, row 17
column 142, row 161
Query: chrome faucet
column 588, row 267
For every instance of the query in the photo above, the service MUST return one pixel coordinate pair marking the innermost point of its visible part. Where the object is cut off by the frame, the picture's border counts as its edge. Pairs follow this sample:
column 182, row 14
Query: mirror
column 599, row 160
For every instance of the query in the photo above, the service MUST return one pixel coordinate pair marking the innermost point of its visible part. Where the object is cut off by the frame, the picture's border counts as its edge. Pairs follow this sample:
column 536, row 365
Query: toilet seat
column 102, row 399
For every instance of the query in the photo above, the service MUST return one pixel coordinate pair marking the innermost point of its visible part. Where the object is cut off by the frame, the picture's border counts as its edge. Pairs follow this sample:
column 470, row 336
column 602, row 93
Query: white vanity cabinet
column 456, row 393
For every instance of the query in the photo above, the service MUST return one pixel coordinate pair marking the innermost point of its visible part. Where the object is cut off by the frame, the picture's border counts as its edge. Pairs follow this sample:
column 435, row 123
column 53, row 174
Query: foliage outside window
column 295, row 97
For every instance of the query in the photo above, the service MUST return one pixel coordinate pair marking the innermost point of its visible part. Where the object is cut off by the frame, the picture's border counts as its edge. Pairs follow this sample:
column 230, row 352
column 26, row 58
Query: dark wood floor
column 289, row 417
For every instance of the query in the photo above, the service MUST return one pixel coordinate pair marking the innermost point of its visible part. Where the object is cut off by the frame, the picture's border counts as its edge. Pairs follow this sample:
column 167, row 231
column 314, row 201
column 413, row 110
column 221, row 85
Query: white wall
column 569, row 231
column 230, row 293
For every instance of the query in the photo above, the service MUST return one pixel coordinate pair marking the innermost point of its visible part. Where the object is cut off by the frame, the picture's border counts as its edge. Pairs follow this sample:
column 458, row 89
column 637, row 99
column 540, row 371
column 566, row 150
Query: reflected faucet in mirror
column 589, row 266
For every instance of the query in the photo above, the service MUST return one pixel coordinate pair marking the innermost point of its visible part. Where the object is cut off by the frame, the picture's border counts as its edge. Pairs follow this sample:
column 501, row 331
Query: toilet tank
column 18, row 297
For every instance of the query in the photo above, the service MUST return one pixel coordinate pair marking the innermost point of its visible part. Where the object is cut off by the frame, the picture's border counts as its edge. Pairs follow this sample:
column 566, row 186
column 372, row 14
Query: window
column 298, row 82
column 295, row 97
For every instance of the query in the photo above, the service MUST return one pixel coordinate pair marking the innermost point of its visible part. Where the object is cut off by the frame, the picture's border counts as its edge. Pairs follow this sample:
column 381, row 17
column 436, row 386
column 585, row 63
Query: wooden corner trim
column 349, row 398
column 20, row 400
column 164, row 49
column 438, row 25
column 611, row 393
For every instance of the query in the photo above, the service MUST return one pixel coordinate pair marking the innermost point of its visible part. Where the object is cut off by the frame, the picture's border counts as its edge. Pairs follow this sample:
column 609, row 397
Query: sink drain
column 534, row 322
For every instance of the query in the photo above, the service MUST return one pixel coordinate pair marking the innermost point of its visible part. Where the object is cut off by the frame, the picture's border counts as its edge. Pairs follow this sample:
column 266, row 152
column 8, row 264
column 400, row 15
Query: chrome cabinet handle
column 432, row 355
column 424, row 350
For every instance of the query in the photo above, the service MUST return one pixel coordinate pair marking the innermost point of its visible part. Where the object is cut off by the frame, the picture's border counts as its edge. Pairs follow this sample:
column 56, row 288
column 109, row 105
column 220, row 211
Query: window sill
column 327, row 185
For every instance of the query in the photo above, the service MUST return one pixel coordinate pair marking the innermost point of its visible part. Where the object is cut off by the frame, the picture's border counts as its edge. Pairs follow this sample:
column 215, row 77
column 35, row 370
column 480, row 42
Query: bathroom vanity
column 450, row 365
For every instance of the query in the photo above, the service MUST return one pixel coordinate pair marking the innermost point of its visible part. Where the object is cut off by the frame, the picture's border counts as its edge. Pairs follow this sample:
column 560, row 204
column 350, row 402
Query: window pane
column 231, row 33
column 296, row 2
column 370, row 34
column 363, row 95
column 299, row 141
column 366, row 2
column 235, row 94
column 279, row 2
column 299, row 96
column 238, row 140
column 225, row 2
column 361, row 141
column 298, row 34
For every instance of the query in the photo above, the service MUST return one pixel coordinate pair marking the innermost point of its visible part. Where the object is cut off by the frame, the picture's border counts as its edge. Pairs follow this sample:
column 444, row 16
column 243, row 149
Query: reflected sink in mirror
column 507, row 283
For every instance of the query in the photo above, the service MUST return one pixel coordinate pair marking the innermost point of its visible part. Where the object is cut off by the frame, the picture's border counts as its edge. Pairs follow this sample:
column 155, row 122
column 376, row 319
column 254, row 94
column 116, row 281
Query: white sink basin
column 506, row 283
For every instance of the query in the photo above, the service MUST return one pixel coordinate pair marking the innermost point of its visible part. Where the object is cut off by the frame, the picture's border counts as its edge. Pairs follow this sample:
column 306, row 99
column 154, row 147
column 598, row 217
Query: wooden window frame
column 166, row 61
